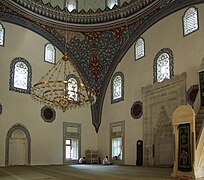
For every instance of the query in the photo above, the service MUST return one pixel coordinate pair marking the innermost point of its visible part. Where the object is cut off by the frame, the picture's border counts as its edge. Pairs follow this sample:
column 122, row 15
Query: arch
column 15, row 127
column 98, row 106
column 51, row 35
column 24, row 64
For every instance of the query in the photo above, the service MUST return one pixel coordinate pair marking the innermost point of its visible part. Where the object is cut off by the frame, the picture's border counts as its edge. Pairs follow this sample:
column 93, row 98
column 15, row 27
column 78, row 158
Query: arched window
column 139, row 49
column 2, row 34
column 112, row 3
column 163, row 65
column 50, row 53
column 72, row 87
column 190, row 20
column 20, row 75
column 71, row 5
column 117, row 90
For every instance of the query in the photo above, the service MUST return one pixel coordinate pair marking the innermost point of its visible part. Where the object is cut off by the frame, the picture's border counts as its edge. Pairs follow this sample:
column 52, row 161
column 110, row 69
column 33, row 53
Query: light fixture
column 58, row 88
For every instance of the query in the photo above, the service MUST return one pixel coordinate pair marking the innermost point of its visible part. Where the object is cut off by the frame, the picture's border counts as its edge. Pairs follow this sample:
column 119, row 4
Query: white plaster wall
column 188, row 54
column 46, row 138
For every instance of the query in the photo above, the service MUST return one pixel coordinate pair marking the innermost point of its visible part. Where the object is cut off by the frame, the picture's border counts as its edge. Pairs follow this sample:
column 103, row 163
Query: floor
column 83, row 172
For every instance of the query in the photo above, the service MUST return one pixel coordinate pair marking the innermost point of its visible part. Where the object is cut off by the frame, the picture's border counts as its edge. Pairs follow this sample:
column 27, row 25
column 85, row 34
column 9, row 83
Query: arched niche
column 18, row 129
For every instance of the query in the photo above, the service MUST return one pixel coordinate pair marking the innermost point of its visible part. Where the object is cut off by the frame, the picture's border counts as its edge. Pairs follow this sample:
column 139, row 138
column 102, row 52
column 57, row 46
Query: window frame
column 45, row 53
column 1, row 26
column 68, row 145
column 71, row 135
column 122, row 87
column 29, row 78
column 117, row 130
column 171, row 63
column 135, row 48
column 72, row 139
column 106, row 3
column 76, row 9
column 77, row 80
column 184, row 35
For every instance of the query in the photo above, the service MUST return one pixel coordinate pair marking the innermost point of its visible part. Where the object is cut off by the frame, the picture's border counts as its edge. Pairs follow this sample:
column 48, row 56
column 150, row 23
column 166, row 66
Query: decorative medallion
column 48, row 114
column 137, row 110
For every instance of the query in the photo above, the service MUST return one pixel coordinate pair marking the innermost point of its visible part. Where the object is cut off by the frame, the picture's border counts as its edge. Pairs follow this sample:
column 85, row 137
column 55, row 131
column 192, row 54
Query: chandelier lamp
column 61, row 88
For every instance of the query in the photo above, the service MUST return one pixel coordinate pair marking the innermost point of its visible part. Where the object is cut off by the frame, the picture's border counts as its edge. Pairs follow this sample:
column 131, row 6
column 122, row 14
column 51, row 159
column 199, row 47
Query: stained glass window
column 20, row 75
column 50, row 53
column 139, row 48
column 71, row 5
column 112, row 3
column 117, row 87
column 190, row 20
column 163, row 65
column 1, row 35
column 72, row 88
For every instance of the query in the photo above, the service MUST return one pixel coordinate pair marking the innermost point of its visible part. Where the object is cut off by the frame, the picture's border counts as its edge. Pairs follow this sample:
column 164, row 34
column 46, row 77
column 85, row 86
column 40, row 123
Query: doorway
column 139, row 145
column 18, row 146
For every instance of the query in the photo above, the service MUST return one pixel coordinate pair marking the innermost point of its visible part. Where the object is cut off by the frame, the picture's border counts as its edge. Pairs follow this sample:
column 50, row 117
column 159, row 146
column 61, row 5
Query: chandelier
column 58, row 90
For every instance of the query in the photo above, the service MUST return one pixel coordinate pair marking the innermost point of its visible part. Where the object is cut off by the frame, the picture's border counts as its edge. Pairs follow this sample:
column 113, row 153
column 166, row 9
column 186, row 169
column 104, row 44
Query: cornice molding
column 83, row 17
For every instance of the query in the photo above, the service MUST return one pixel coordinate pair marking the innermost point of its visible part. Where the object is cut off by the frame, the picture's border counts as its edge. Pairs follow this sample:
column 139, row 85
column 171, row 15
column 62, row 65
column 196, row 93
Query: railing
column 199, row 153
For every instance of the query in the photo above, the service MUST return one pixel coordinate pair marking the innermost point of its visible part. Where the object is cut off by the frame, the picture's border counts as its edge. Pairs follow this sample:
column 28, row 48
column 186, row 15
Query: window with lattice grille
column 117, row 87
column 163, row 65
column 50, row 53
column 190, row 20
column 139, row 49
column 20, row 75
column 2, row 33
column 163, row 70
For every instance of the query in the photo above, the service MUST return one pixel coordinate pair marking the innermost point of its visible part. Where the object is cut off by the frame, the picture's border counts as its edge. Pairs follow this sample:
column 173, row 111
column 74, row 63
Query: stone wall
column 160, row 100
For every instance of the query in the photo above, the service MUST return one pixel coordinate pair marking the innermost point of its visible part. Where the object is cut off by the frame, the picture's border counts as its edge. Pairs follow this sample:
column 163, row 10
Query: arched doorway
column 18, row 144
